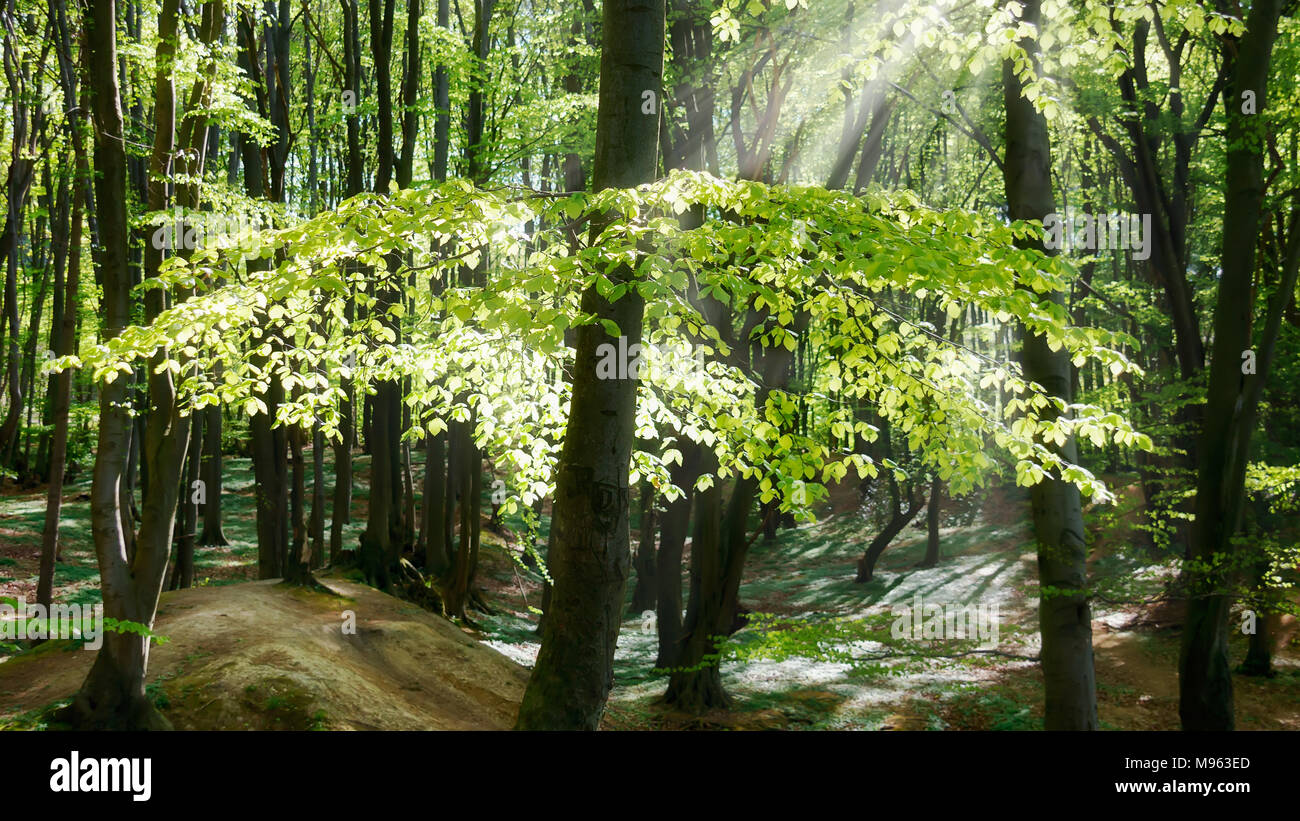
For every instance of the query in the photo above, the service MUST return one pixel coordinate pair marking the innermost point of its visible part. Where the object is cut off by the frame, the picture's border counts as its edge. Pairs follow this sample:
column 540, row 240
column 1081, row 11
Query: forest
column 650, row 365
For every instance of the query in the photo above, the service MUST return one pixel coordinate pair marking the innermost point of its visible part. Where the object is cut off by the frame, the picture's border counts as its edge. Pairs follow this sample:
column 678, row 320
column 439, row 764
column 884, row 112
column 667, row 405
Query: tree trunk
column 113, row 694
column 469, row 472
column 644, row 594
column 1259, row 650
column 183, row 572
column 672, row 540
column 1232, row 399
column 900, row 519
column 1064, row 614
column 932, row 525
column 341, row 507
column 270, row 440
column 718, row 551
column 213, row 534
column 589, row 557
column 316, row 528
column 382, row 542
column 297, row 565
column 433, row 530
column 61, row 383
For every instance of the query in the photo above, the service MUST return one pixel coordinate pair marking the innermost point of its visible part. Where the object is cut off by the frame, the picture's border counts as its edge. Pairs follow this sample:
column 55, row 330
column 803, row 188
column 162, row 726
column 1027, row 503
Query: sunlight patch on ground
column 525, row 654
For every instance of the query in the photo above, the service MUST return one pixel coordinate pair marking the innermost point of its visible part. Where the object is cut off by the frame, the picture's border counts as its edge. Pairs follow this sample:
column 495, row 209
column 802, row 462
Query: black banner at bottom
column 336, row 771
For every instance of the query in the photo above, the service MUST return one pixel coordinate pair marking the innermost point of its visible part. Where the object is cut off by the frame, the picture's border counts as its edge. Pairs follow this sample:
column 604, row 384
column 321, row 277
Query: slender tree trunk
column 672, row 540
column 269, row 440
column 341, row 506
column 213, row 534
column 61, row 383
column 297, row 566
column 183, row 572
column 1259, row 649
column 644, row 595
column 457, row 594
column 381, row 544
column 932, row 525
column 900, row 518
column 1064, row 613
column 433, row 531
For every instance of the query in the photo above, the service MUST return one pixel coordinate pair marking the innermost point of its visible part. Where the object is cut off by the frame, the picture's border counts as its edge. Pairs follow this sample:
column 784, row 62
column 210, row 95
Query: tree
column 1064, row 614
column 131, row 566
column 589, row 553
column 1232, row 399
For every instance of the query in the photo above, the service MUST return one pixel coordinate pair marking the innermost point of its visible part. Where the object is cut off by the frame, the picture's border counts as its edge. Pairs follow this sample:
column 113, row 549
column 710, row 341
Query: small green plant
column 157, row 695
column 1007, row 714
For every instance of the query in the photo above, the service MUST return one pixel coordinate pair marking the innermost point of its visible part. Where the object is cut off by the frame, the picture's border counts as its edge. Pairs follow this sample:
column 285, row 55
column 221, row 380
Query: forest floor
column 256, row 655
column 263, row 656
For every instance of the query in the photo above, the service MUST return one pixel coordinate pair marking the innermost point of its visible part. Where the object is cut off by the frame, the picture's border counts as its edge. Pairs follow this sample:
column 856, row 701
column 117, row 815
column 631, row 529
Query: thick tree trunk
column 1064, row 614
column 113, row 693
column 1232, row 399
column 589, row 528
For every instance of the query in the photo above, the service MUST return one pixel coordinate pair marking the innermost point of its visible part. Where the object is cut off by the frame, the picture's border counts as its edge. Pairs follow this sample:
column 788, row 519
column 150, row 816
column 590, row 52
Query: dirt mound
column 260, row 655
